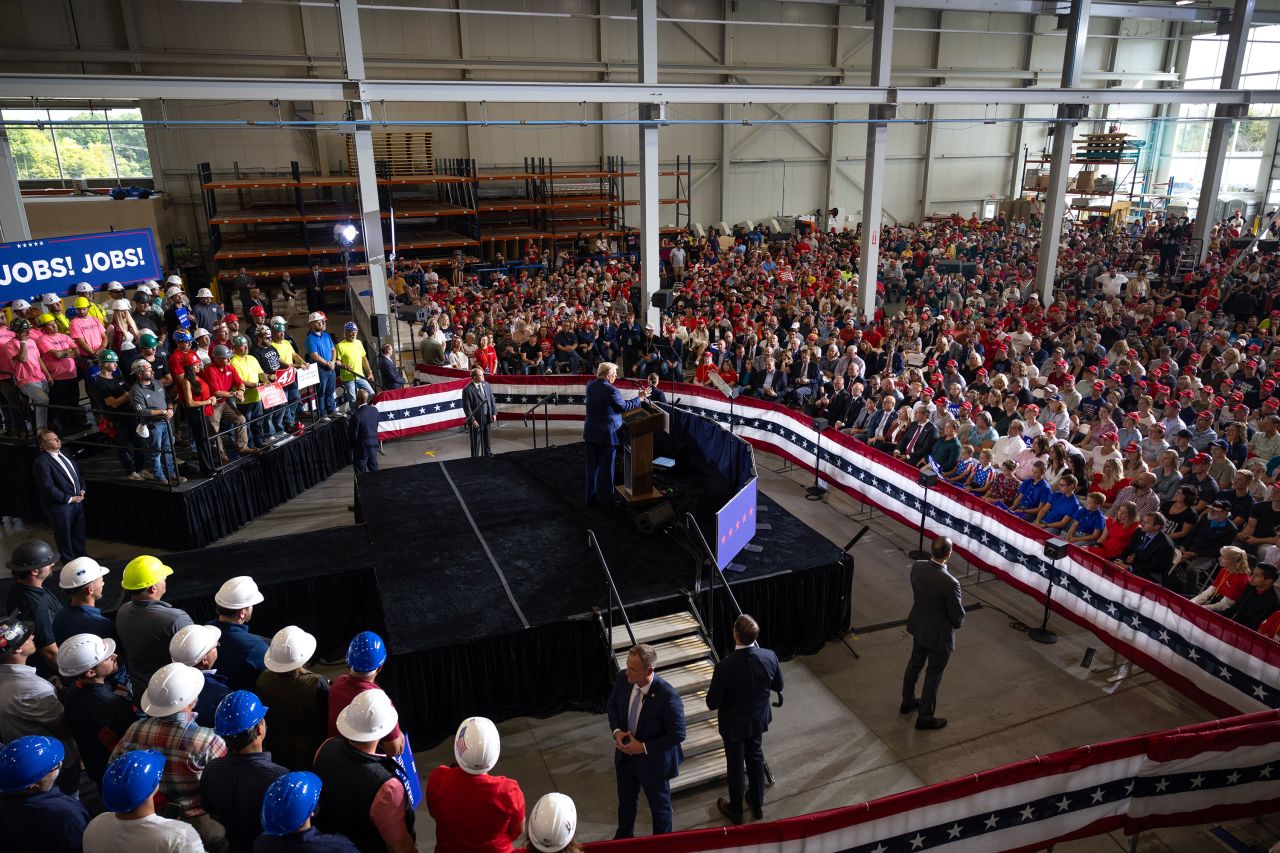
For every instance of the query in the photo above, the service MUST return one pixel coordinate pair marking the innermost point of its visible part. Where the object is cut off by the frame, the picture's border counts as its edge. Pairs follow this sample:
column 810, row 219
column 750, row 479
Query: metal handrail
column 544, row 403
column 613, row 592
column 692, row 523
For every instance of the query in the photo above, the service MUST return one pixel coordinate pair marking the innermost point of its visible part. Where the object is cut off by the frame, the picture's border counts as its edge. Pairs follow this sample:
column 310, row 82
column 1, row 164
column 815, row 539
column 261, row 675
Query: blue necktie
column 633, row 713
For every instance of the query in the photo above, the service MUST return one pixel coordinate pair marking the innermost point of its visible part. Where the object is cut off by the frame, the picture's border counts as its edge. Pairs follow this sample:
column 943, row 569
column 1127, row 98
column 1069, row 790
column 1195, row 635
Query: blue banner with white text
column 30, row 268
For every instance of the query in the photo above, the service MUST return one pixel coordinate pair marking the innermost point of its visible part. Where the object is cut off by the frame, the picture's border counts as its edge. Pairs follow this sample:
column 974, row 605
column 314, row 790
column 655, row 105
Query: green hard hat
column 108, row 356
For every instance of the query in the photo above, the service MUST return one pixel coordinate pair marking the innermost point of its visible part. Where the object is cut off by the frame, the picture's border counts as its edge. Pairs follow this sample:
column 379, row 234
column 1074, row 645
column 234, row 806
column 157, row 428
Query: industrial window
column 92, row 150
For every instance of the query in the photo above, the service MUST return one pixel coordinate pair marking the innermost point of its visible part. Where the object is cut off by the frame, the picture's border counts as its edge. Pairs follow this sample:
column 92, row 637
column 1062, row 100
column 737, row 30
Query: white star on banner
column 1086, row 596
column 954, row 831
column 1111, row 608
column 917, row 843
column 1164, row 636
column 1027, row 813
column 1099, row 795
column 1260, row 693
column 1193, row 654
column 991, row 822
column 1136, row 621
column 1161, row 785
column 1063, row 804
column 1234, row 777
column 880, row 848
column 422, row 411
column 1265, row 772
column 436, row 407
column 1224, row 673
column 1128, row 789
column 1197, row 781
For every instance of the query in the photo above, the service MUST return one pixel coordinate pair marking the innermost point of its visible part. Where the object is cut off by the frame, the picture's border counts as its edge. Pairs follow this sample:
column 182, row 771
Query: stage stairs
column 686, row 660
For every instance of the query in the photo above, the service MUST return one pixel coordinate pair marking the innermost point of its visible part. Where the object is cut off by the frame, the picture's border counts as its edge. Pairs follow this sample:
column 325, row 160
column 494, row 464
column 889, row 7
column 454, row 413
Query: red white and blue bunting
column 1223, row 666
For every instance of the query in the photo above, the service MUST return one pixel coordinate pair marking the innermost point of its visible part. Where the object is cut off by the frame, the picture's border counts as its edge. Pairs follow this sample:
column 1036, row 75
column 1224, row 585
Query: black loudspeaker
column 928, row 479
column 654, row 520
column 1268, row 245
column 664, row 299
column 1055, row 548
column 1241, row 242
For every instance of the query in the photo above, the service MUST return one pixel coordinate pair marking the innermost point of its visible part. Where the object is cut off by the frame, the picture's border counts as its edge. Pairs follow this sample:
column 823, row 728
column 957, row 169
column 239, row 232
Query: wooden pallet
column 399, row 153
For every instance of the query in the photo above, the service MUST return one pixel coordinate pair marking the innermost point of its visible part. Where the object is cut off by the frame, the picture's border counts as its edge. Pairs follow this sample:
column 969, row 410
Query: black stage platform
column 194, row 514
column 455, row 620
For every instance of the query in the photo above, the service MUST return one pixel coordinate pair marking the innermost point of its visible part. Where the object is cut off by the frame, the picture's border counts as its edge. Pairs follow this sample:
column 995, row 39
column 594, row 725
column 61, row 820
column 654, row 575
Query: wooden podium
column 637, row 457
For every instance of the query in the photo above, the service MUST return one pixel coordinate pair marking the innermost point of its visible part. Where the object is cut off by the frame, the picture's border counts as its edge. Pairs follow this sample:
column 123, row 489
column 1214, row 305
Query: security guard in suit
column 364, row 434
column 480, row 410
column 600, row 430
column 647, row 719
column 739, row 693
column 936, row 614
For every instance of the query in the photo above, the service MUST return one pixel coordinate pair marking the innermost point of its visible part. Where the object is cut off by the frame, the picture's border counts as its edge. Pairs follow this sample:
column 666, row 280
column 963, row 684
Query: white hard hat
column 173, row 291
column 278, row 319
column 82, row 653
column 204, row 291
column 173, row 278
column 50, row 299
column 238, row 592
column 84, row 287
column 476, row 745
column 114, row 285
column 552, row 823
column 173, row 687
column 20, row 305
column 315, row 317
column 119, row 304
column 192, row 643
column 201, row 333
column 78, row 572
column 370, row 716
column 290, row 648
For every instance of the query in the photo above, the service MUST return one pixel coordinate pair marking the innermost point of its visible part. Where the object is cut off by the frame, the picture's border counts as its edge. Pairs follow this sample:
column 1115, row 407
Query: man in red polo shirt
column 227, row 389
column 474, row 811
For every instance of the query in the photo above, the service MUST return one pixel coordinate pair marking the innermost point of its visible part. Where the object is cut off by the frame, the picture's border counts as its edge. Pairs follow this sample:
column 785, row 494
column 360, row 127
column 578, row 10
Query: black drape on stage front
column 565, row 666
column 149, row 515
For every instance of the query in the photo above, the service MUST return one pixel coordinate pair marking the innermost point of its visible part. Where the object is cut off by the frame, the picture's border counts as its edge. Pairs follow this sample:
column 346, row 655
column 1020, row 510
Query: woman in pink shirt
column 29, row 371
column 58, row 352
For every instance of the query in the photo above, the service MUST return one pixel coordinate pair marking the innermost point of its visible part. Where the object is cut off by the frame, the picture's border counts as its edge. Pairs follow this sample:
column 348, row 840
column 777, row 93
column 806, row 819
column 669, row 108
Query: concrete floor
column 839, row 738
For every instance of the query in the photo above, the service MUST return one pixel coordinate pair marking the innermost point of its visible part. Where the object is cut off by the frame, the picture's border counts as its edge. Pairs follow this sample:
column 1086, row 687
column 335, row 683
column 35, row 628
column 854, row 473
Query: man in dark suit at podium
column 600, row 430
column 936, row 614
column 61, row 496
column 739, row 693
column 647, row 719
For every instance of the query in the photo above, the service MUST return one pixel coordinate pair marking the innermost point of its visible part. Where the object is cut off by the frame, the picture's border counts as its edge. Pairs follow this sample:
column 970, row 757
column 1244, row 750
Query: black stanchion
column 928, row 479
column 1055, row 549
column 817, row 491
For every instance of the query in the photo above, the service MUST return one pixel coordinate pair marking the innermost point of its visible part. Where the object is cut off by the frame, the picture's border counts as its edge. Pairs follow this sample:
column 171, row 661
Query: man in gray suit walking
column 936, row 614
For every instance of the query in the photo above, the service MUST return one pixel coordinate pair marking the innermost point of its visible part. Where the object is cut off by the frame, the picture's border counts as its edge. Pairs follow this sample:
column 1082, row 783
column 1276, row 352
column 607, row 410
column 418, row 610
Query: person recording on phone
column 601, row 431
column 480, row 410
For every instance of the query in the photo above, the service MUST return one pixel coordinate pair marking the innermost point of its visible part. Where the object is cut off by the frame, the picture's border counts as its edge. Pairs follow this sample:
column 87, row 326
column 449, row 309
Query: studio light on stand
column 345, row 234
column 817, row 491
column 1055, row 549
column 927, row 479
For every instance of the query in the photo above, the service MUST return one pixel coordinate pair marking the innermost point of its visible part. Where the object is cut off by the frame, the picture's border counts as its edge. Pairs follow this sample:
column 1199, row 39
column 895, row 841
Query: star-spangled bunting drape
column 1219, row 664
column 1213, row 771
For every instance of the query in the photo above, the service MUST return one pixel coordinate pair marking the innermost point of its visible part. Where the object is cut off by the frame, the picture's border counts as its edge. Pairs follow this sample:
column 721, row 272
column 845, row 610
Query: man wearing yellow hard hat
column 144, row 623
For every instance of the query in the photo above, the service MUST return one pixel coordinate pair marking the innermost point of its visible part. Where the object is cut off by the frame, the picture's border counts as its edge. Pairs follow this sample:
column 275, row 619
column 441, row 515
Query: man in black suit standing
column 739, row 693
column 61, row 496
column 315, row 289
column 917, row 440
column 1150, row 553
column 364, row 434
column 936, row 614
column 480, row 409
column 647, row 719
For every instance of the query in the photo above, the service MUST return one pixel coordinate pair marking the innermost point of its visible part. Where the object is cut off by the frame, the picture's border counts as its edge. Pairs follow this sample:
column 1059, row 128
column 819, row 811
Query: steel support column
column 1220, row 134
column 366, row 169
column 844, row 20
column 1060, row 160
column 726, row 130
column 873, row 174
column 647, row 74
column 13, row 216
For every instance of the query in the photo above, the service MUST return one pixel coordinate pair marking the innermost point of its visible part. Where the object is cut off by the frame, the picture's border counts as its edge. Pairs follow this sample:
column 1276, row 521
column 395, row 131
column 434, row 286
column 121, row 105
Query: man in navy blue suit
column 739, row 693
column 600, row 430
column 647, row 718
column 61, row 496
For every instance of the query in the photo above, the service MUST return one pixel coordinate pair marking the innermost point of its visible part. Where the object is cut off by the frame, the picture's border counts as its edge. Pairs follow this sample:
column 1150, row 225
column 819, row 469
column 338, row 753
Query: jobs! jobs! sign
column 57, row 264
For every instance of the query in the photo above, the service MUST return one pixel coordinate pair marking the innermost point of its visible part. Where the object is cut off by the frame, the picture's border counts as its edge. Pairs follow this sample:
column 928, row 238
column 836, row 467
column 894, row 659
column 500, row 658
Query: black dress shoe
column 908, row 705
column 723, row 805
column 757, row 813
column 929, row 725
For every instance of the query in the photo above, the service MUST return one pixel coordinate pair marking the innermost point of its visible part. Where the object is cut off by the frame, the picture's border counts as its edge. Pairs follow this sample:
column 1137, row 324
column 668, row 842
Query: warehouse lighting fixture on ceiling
column 1183, row 2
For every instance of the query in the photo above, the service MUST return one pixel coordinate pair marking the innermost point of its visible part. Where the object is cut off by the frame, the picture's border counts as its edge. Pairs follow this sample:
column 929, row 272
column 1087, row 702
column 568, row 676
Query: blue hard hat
column 131, row 778
column 366, row 652
column 289, row 802
column 27, row 760
column 181, row 336
column 238, row 712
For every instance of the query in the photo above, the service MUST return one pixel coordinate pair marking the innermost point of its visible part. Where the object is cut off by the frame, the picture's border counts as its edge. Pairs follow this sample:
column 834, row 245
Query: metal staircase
column 686, row 660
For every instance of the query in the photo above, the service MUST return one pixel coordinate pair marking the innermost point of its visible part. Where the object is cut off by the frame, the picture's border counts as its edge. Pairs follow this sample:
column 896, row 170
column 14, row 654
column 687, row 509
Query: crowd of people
column 164, row 378
column 148, row 732
column 1146, row 374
